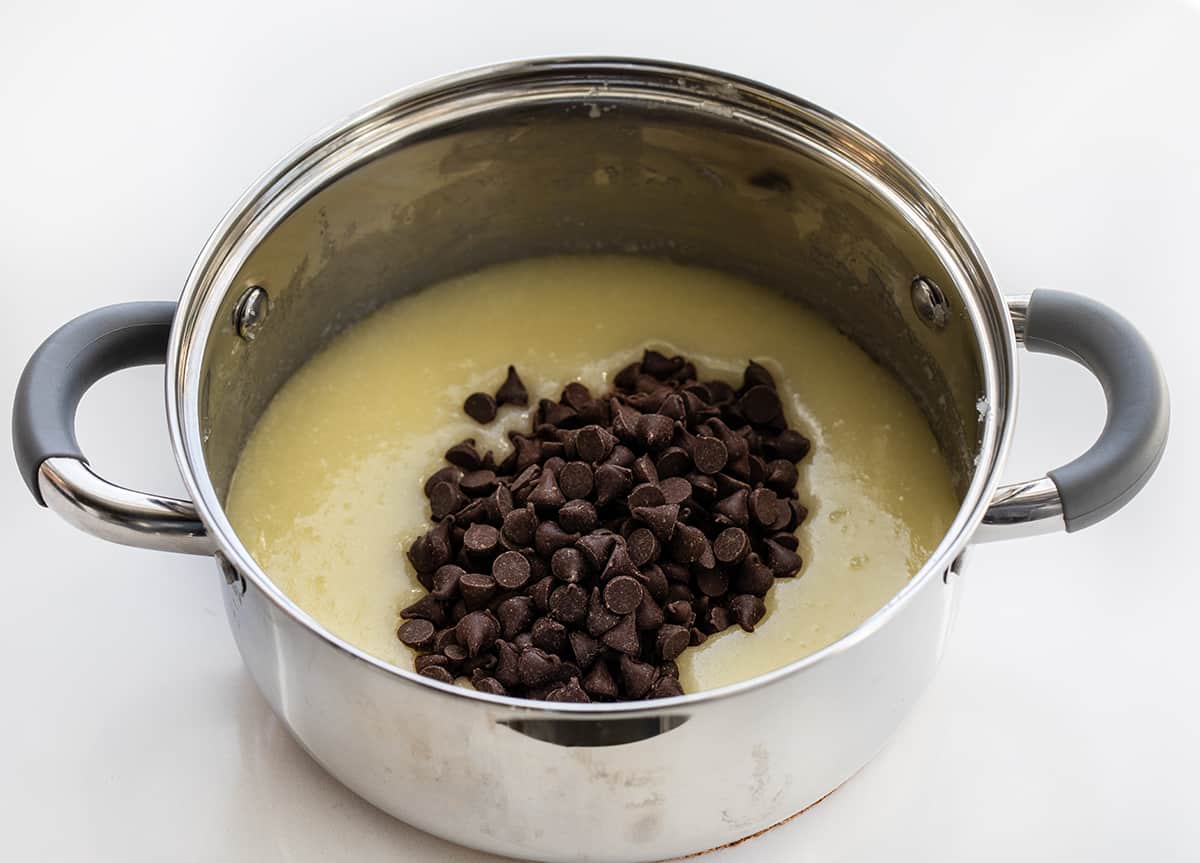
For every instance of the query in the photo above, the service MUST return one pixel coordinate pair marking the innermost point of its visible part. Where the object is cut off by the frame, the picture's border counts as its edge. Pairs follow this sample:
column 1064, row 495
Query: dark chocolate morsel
column 646, row 495
column 569, row 603
column 596, row 548
column 623, row 637
column 480, row 407
column 511, row 570
column 585, row 648
column 612, row 481
column 674, row 461
column 477, row 629
column 578, row 516
column 512, row 391
column 731, row 545
column 445, row 499
column 747, row 610
column 426, row 608
column 709, row 455
column 476, row 589
column 549, row 635
column 622, row 594
column 756, row 376
column 575, row 480
column 655, row 431
column 671, row 640
column 536, row 667
column 464, row 455
column 568, row 565
column 783, row 561
column 518, row 527
column 416, row 633
column 789, row 444
column 660, row 519
column 478, row 482
column 437, row 672
column 643, row 547
column 599, row 619
column 754, row 576
column 637, row 676
column 570, row 692
column 675, row 489
column 515, row 615
column 599, row 682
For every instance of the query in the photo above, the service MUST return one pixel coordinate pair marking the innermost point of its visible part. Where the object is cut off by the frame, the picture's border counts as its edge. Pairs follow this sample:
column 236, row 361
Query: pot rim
column 314, row 162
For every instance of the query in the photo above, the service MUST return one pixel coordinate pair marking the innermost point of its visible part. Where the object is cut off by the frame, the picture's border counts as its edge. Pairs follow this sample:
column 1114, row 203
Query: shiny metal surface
column 578, row 156
column 1021, row 509
column 930, row 303
column 251, row 312
column 1018, row 310
column 1029, row 508
column 95, row 505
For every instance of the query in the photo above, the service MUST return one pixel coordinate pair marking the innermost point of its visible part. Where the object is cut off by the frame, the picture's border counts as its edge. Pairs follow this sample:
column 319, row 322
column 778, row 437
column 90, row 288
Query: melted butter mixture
column 328, row 491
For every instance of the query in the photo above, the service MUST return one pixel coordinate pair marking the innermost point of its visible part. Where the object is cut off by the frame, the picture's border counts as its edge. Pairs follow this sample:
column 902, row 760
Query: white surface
column 1062, row 723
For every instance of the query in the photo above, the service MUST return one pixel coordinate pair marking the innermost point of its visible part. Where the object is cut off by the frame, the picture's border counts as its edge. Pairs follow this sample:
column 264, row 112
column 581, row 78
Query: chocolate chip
column 622, row 456
column 568, row 564
column 512, row 391
column 554, row 414
column 623, row 637
column 643, row 547
column 547, row 496
column 654, row 580
column 637, row 676
column 578, row 516
column 549, row 538
column 445, row 582
column 445, row 499
column 674, row 461
column 599, row 682
column 417, row 633
column 427, row 659
column 763, row 503
column 569, row 692
column 783, row 561
column 599, row 619
column 619, row 563
column 787, row 540
column 569, row 603
column 688, row 544
column 655, row 431
column 490, row 685
column 612, row 482
column 649, row 615
column 426, row 608
column 478, row 482
column 789, row 445
column 480, row 407
column 515, row 615
column 549, row 635
column 436, row 672
column 672, row 640
column 675, row 489
column 575, row 480
column 712, row 582
column 644, row 470
column 660, row 519
column 481, row 539
column 464, row 455
column 475, row 630
column 646, row 495
column 781, row 475
column 511, row 570
column 476, row 589
column 747, row 610
column 519, row 526
column 735, row 508
column 596, row 548
column 698, row 636
column 594, row 443
column 755, row 376
column 622, row 594
column 449, row 473
column 715, row 619
column 754, row 576
column 535, row 667
column 709, row 455
column 584, row 648
column 680, row 611
column 665, row 687
column 731, row 545
column 721, row 392
column 660, row 366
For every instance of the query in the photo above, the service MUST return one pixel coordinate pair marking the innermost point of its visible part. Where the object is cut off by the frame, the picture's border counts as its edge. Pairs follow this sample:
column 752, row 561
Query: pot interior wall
column 461, row 190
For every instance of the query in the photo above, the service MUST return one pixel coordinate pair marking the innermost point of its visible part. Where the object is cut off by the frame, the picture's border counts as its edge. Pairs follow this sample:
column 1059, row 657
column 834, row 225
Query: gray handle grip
column 72, row 359
column 1122, row 460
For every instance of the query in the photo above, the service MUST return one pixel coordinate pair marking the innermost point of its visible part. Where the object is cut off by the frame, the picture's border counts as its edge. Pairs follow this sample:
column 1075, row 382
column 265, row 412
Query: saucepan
column 591, row 156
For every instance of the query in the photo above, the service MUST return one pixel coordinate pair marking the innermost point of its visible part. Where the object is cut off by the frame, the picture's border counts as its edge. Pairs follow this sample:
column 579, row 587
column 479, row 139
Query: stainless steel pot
column 581, row 156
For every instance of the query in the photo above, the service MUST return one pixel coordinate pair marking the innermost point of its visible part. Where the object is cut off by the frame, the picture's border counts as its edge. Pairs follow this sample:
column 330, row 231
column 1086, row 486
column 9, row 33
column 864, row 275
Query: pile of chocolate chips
column 622, row 529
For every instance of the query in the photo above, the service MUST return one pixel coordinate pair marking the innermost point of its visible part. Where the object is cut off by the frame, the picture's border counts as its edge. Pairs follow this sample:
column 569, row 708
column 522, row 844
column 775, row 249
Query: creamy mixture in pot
column 328, row 493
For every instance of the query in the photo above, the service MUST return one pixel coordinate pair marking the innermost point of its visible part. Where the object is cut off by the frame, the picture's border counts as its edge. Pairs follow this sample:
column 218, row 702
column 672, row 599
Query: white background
column 1063, row 722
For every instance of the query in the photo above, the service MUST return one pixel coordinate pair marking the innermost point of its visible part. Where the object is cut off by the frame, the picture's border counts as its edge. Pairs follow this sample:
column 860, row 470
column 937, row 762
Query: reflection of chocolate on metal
column 760, row 832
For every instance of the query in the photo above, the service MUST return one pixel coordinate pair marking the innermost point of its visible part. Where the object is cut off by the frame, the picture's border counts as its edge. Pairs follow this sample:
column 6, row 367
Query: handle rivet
column 251, row 311
column 930, row 303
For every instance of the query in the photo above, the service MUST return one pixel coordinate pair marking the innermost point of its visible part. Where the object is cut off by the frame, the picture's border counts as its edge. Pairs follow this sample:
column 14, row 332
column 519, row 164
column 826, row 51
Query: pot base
column 791, row 817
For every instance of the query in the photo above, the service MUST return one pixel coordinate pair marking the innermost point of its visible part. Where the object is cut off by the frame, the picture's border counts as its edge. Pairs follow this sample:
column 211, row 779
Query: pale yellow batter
column 328, row 492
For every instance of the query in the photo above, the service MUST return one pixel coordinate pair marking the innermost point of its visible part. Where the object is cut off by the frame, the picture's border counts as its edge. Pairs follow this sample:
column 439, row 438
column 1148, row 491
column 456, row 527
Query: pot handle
column 57, row 375
column 1121, row 461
